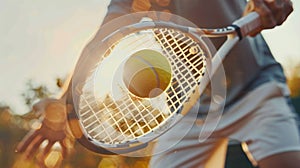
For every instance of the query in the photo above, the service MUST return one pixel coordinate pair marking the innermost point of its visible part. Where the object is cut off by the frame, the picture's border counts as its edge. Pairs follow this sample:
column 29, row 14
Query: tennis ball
column 147, row 73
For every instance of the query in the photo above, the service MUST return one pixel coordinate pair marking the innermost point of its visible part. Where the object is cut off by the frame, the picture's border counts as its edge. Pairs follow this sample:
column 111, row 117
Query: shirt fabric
column 249, row 64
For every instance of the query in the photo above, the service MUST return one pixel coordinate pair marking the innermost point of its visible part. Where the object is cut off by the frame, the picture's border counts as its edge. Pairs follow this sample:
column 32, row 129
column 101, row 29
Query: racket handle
column 248, row 24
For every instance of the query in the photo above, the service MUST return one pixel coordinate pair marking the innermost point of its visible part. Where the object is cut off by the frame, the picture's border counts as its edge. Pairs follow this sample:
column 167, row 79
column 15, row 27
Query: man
column 257, row 111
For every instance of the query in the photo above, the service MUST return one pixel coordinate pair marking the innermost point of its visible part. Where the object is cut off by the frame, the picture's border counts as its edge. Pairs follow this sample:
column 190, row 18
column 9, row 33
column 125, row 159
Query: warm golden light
column 53, row 159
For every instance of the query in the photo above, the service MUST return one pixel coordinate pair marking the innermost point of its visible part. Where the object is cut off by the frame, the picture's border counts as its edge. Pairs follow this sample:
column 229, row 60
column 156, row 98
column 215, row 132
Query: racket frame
column 235, row 32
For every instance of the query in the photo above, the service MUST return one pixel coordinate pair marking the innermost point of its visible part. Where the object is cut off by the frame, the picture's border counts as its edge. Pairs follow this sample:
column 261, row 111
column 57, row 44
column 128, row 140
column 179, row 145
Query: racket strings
column 125, row 119
column 111, row 121
column 186, row 60
column 94, row 123
column 188, row 63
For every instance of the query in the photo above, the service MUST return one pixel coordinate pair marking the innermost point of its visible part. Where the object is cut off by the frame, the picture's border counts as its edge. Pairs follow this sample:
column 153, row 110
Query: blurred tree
column 294, row 82
column 35, row 92
column 294, row 85
column 9, row 135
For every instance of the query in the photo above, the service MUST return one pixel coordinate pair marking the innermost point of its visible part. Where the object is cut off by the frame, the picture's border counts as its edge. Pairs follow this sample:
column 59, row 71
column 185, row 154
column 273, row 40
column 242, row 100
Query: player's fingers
column 277, row 9
column 34, row 146
column 64, row 150
column 48, row 148
column 281, row 9
column 287, row 5
column 266, row 15
column 23, row 145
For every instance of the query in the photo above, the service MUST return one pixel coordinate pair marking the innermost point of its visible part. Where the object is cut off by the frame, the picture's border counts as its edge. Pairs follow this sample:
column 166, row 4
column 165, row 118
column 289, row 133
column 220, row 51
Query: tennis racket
column 141, row 74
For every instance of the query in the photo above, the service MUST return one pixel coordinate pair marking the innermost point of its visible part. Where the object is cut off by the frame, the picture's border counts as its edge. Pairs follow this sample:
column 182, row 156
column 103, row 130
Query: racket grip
column 248, row 24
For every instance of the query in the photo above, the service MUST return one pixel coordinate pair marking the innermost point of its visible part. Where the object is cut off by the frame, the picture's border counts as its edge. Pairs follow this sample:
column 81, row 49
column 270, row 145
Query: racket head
column 116, row 120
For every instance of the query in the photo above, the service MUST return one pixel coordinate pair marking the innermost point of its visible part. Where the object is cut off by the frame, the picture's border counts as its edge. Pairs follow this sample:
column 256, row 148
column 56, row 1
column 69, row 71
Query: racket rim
column 230, row 31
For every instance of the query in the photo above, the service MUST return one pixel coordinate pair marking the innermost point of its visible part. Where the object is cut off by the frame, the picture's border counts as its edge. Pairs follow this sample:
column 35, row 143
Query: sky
column 42, row 40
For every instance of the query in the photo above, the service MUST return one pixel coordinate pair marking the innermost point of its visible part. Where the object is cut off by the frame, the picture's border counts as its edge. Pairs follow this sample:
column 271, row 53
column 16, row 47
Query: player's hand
column 53, row 129
column 272, row 12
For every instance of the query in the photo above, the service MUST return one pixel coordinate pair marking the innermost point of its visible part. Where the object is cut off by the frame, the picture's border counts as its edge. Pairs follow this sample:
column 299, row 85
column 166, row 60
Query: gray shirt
column 248, row 65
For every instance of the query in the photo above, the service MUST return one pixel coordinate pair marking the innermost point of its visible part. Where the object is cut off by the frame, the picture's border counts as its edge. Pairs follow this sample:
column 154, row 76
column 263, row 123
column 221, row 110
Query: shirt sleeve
column 117, row 8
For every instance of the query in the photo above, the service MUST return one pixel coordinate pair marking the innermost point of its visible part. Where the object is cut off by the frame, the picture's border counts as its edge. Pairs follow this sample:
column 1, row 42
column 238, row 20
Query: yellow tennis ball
column 147, row 73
